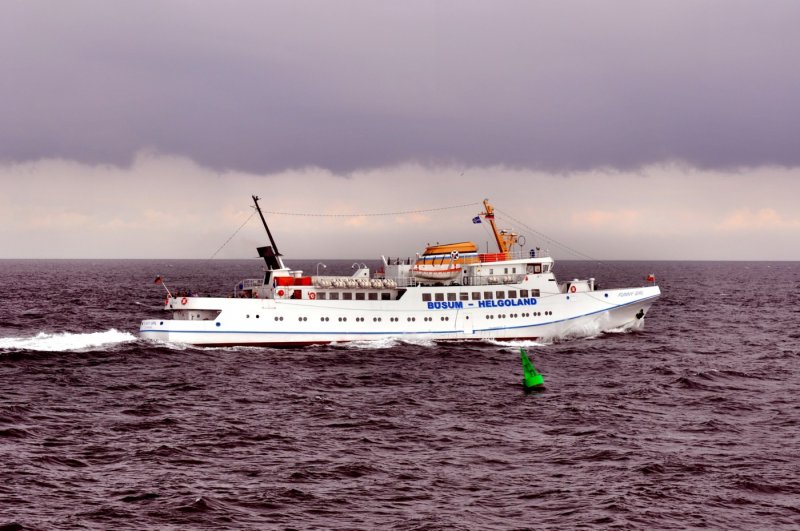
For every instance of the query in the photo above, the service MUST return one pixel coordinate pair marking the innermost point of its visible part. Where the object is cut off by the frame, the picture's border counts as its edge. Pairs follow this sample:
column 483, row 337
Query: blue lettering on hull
column 502, row 303
column 449, row 305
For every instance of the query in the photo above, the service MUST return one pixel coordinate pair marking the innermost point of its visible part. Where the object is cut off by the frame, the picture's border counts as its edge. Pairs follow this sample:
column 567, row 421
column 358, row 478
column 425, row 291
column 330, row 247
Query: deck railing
column 247, row 284
column 492, row 280
column 512, row 255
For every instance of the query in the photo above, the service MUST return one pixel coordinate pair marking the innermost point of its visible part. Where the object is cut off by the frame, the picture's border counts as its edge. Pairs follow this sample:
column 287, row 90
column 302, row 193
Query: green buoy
column 532, row 379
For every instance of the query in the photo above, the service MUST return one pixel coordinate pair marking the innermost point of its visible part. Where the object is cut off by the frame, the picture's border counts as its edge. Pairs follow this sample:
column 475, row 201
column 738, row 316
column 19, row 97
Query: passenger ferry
column 449, row 292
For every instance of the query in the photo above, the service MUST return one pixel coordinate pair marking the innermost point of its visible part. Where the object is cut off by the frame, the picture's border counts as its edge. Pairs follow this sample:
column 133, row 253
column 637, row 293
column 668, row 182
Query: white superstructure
column 451, row 292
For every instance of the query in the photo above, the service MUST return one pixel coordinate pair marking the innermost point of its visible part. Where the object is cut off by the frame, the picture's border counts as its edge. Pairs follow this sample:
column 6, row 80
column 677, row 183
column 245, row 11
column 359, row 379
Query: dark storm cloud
column 264, row 86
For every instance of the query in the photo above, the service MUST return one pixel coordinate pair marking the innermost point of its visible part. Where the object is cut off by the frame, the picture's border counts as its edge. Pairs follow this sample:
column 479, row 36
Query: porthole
column 218, row 324
column 248, row 316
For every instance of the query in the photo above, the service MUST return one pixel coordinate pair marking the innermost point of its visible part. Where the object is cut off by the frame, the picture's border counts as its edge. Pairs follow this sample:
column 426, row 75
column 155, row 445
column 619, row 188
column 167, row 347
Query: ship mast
column 271, row 255
column 505, row 239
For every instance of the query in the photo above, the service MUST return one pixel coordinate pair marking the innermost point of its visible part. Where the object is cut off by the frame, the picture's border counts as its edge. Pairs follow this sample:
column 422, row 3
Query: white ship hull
column 269, row 322
column 481, row 296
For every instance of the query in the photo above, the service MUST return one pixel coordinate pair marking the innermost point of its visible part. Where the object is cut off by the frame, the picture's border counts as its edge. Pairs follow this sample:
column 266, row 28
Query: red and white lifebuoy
column 573, row 289
column 312, row 295
column 184, row 300
column 281, row 293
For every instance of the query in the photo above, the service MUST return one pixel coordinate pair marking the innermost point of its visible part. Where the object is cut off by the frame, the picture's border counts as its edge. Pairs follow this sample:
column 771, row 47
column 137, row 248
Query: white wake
column 65, row 341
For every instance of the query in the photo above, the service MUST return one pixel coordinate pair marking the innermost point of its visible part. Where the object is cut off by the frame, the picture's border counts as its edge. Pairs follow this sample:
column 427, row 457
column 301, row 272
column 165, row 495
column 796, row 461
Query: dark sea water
column 692, row 422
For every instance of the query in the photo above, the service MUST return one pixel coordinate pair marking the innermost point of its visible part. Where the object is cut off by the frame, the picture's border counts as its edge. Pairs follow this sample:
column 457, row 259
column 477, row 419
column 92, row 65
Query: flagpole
column 160, row 280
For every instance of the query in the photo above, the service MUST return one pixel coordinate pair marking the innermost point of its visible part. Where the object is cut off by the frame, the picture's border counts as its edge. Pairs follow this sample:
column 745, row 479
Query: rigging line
column 315, row 215
column 232, row 235
column 553, row 240
column 612, row 267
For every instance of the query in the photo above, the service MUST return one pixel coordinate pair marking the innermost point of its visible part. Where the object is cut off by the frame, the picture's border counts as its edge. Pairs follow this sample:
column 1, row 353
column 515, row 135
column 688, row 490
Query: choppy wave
column 368, row 344
column 517, row 344
column 688, row 424
column 65, row 341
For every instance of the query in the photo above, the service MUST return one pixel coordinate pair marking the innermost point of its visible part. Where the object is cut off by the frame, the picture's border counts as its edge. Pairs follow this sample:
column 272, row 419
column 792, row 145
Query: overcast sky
column 626, row 129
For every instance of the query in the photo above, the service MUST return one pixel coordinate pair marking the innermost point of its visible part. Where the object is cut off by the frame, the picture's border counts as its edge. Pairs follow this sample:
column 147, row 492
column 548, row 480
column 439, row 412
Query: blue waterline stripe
column 396, row 333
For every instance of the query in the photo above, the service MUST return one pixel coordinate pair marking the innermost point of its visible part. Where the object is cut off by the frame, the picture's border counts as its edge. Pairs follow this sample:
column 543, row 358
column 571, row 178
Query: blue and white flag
column 476, row 219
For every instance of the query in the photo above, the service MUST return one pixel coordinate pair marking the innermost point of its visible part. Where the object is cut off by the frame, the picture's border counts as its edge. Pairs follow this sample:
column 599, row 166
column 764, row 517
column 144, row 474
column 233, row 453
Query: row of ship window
column 427, row 297
column 411, row 319
column 532, row 269
column 361, row 319
column 349, row 296
column 514, row 315
column 478, row 295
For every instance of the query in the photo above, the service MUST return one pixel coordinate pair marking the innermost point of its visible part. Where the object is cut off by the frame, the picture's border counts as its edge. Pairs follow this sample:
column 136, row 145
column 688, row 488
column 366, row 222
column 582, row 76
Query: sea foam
column 65, row 341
